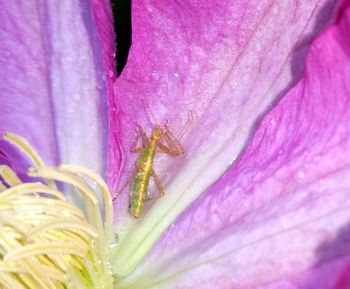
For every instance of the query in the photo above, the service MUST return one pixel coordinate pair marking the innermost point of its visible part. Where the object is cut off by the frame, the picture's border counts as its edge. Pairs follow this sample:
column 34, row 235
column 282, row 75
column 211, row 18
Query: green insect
column 161, row 141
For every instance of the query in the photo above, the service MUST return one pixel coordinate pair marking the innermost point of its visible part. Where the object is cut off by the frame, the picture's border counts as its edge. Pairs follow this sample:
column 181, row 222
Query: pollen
column 45, row 240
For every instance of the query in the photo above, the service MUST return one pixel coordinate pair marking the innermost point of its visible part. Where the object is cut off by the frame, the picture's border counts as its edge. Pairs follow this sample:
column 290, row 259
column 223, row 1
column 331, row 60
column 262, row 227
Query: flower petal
column 53, row 87
column 223, row 62
column 279, row 218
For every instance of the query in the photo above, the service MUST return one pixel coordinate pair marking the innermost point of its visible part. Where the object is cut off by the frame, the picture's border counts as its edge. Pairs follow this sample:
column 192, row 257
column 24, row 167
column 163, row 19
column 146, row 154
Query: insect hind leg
column 159, row 187
column 122, row 189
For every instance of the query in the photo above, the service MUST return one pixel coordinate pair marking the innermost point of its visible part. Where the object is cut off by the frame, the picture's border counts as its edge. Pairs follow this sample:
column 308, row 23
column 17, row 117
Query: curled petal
column 222, row 62
column 279, row 217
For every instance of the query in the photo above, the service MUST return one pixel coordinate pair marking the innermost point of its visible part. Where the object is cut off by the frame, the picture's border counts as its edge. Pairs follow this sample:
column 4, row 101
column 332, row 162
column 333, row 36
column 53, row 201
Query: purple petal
column 53, row 84
column 279, row 218
column 224, row 62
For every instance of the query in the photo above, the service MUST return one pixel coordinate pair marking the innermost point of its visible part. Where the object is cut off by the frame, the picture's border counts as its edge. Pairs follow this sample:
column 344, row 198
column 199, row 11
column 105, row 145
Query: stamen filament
column 25, row 147
column 63, row 225
column 9, row 176
column 42, row 232
column 105, row 194
column 45, row 248
column 30, row 188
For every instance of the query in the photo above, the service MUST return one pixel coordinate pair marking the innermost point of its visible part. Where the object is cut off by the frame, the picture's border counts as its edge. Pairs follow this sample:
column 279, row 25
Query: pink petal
column 53, row 83
column 224, row 62
column 279, row 218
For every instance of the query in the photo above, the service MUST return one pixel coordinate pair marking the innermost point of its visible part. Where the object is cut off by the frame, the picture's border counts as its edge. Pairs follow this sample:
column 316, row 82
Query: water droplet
column 115, row 240
column 155, row 75
column 300, row 174
column 93, row 243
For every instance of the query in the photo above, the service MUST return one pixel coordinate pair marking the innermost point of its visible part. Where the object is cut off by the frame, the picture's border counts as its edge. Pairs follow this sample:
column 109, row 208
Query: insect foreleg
column 172, row 147
column 145, row 141
column 171, row 144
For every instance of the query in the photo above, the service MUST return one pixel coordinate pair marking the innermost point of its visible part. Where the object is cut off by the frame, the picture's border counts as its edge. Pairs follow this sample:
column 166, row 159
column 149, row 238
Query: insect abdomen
column 139, row 192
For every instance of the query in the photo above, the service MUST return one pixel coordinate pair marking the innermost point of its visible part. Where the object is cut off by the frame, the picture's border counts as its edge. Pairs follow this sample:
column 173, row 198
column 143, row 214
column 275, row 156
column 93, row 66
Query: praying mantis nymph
column 161, row 141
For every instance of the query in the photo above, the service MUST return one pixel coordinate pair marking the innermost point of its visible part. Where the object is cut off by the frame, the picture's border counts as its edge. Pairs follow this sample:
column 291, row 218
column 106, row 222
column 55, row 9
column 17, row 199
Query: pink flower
column 260, row 199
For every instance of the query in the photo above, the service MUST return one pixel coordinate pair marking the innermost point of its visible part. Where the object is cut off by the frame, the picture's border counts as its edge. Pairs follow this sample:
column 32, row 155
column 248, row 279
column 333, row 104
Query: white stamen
column 46, row 242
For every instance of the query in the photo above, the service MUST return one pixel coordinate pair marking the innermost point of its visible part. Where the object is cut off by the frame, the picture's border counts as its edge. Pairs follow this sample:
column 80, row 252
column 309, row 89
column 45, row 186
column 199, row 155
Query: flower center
column 45, row 241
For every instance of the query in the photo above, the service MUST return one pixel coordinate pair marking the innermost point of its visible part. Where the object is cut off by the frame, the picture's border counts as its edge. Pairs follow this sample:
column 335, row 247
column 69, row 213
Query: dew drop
column 155, row 75
column 115, row 240
column 300, row 174
column 93, row 243
column 281, row 152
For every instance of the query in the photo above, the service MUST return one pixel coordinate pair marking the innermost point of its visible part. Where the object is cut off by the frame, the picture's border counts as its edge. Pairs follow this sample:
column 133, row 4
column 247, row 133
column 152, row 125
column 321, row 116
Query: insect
column 161, row 141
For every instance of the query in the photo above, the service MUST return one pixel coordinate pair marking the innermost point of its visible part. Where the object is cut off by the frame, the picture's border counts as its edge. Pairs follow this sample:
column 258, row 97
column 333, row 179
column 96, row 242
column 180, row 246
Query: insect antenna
column 188, row 125
column 149, row 112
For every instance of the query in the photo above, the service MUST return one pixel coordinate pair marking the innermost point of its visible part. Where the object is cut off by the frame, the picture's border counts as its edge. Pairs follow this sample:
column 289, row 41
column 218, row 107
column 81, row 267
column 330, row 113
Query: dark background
column 122, row 26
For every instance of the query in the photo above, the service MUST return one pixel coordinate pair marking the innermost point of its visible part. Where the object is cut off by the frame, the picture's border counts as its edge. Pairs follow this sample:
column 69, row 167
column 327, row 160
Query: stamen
column 44, row 248
column 9, row 176
column 41, row 232
column 6, row 219
column 55, row 174
column 9, row 281
column 63, row 225
column 30, row 188
column 25, row 147
column 105, row 194
column 2, row 187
